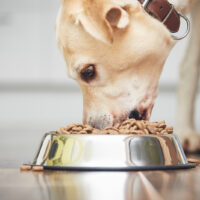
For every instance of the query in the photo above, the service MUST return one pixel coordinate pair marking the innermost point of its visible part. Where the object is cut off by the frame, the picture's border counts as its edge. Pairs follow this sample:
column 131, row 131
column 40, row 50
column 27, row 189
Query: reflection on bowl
column 110, row 152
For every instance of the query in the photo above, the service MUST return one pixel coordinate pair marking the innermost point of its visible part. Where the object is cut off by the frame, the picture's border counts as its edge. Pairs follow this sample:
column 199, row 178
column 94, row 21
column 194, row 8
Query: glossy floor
column 153, row 185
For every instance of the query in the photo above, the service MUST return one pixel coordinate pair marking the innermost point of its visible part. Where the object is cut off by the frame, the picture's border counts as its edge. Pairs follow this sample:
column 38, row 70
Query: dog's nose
column 135, row 114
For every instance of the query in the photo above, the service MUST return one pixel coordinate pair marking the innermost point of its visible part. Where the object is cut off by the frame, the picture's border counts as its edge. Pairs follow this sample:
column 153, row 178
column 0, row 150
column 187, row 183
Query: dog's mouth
column 141, row 111
column 102, row 121
column 137, row 113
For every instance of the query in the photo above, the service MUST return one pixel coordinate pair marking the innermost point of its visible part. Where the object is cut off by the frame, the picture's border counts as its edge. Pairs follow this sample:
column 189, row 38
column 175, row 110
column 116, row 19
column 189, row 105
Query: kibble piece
column 87, row 129
column 69, row 127
column 127, row 126
column 124, row 131
column 63, row 130
column 155, row 124
column 37, row 168
column 95, row 131
column 133, row 128
column 151, row 129
column 111, row 128
column 105, row 132
column 117, row 125
column 163, row 132
column 76, row 128
column 169, row 129
column 192, row 160
column 25, row 167
column 138, row 132
column 108, row 127
column 162, row 125
column 140, row 125
column 146, row 131
column 159, row 129
column 87, row 126
column 113, row 132
column 125, row 122
column 83, row 132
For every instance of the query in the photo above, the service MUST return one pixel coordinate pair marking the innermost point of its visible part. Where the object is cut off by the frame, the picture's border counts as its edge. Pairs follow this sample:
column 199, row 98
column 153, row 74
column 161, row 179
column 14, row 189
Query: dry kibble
column 69, row 127
column 133, row 128
column 146, row 131
column 163, row 132
column 83, row 132
column 87, row 126
column 153, row 124
column 117, row 125
column 138, row 132
column 151, row 129
column 63, row 130
column 124, row 131
column 38, row 168
column 125, row 122
column 192, row 160
column 169, row 129
column 76, row 128
column 159, row 129
column 140, row 125
column 112, row 128
column 88, row 129
column 125, row 126
column 25, row 167
column 162, row 125
column 113, row 131
column 95, row 131
column 130, row 126
column 105, row 132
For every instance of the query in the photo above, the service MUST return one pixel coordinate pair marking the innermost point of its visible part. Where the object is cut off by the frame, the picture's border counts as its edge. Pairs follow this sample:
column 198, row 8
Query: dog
column 115, row 50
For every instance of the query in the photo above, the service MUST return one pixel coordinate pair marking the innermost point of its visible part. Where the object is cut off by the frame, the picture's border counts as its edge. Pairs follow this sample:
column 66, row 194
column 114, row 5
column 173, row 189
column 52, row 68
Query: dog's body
column 188, row 82
column 116, row 52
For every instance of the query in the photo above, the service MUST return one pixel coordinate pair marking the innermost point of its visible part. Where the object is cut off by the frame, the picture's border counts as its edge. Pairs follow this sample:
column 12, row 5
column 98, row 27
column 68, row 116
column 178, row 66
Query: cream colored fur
column 188, row 82
column 128, row 48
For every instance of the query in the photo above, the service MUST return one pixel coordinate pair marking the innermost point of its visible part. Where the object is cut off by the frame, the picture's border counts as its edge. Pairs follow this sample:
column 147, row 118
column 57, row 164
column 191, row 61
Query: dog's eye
column 88, row 73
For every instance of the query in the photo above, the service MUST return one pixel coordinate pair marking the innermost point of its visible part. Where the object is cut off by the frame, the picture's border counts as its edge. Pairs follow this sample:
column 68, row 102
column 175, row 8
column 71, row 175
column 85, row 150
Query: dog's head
column 115, row 51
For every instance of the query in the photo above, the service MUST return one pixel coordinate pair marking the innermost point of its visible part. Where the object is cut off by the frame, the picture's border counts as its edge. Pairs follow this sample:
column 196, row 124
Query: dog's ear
column 99, row 17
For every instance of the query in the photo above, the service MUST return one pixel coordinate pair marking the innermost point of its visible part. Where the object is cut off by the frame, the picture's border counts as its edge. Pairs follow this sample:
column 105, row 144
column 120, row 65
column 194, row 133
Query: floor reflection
column 153, row 185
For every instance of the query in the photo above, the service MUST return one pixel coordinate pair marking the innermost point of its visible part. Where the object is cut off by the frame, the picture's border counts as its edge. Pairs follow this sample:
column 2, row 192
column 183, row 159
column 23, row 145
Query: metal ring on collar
column 187, row 29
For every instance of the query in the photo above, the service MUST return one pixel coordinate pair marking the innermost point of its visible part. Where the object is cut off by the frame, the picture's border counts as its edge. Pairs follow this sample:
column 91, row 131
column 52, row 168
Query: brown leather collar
column 164, row 12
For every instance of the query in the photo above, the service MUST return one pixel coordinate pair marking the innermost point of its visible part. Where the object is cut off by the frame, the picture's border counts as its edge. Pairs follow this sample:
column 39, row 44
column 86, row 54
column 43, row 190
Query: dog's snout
column 135, row 114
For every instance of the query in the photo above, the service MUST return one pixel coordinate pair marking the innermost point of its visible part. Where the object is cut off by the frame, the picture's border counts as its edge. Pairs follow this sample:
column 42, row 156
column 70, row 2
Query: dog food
column 130, row 126
column 30, row 167
column 25, row 167
column 192, row 160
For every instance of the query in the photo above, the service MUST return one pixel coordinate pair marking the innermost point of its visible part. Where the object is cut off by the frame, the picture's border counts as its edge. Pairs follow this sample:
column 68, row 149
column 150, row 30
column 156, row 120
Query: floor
column 157, row 185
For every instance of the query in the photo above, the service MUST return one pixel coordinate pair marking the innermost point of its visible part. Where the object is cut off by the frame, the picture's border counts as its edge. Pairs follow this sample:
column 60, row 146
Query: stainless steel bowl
column 111, row 152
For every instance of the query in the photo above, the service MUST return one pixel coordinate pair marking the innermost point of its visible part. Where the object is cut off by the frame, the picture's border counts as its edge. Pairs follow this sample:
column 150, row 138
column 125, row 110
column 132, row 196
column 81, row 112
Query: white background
column 28, row 50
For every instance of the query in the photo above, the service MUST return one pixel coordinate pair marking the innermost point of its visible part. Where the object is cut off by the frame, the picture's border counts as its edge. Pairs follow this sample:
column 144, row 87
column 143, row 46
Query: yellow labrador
column 115, row 50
